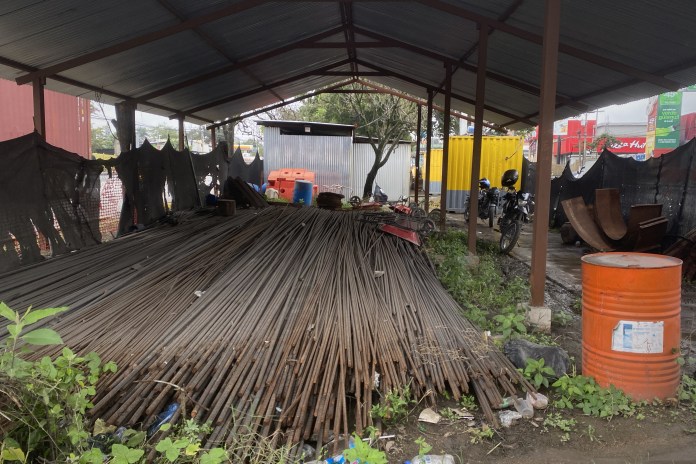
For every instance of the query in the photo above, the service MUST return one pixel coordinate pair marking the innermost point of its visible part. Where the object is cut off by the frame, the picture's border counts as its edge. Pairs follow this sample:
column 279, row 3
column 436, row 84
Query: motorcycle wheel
column 434, row 215
column 427, row 228
column 491, row 215
column 509, row 236
column 355, row 201
column 418, row 213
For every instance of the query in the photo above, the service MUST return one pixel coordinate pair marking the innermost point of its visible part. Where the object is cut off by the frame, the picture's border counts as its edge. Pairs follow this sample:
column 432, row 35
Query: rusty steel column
column 428, row 143
column 213, row 142
column 547, row 110
column 181, row 132
column 125, row 124
column 445, row 147
column 39, row 106
column 418, row 131
column 478, row 134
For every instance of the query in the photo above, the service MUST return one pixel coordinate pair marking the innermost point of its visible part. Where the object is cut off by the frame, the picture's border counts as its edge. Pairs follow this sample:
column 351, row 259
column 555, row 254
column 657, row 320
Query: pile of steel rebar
column 280, row 320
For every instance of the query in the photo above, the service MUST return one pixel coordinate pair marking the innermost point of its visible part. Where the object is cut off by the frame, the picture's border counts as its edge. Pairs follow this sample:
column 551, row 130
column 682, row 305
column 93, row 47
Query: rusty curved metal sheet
column 608, row 213
column 583, row 223
column 637, row 215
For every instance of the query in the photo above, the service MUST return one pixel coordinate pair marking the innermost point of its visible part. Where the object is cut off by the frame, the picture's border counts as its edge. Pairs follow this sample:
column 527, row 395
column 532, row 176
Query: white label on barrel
column 638, row 337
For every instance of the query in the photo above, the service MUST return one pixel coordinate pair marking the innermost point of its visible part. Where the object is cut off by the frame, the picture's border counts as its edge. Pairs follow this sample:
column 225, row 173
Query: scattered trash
column 429, row 416
column 308, row 451
column 388, row 446
column 540, row 402
column 508, row 418
column 524, row 408
column 462, row 413
column 432, row 459
column 518, row 351
column 162, row 418
column 379, row 274
column 376, row 380
column 199, row 293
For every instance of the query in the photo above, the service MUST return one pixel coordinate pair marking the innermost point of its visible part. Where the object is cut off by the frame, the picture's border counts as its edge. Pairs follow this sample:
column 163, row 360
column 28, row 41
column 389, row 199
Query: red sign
column 628, row 145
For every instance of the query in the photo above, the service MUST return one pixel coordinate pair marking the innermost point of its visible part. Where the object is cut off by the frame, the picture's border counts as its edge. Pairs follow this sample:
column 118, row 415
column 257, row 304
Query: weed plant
column 484, row 291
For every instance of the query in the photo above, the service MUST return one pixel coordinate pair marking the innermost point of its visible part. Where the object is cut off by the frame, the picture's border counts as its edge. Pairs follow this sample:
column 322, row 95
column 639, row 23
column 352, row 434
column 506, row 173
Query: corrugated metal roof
column 650, row 36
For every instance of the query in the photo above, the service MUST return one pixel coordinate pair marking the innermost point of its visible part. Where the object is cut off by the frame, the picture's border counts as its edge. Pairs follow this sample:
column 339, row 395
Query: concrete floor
column 562, row 261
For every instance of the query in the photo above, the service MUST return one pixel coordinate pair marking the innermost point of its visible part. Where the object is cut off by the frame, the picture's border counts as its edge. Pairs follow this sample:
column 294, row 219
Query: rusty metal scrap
column 602, row 225
column 583, row 223
column 278, row 321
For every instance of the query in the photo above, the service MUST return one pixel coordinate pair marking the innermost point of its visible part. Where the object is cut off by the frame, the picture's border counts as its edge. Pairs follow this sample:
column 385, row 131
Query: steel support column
column 39, row 106
column 445, row 147
column 418, row 131
column 478, row 134
column 181, row 132
column 213, row 142
column 547, row 109
column 428, row 143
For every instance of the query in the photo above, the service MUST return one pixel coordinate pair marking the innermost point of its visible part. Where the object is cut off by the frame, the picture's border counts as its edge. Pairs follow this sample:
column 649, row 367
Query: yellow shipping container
column 498, row 154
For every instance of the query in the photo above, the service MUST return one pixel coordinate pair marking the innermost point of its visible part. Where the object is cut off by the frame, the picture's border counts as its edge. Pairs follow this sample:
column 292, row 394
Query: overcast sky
column 629, row 112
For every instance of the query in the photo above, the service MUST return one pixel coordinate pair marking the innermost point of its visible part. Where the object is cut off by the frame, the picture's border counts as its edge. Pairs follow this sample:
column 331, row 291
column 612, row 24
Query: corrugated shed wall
column 498, row 154
column 67, row 117
column 393, row 177
column 328, row 157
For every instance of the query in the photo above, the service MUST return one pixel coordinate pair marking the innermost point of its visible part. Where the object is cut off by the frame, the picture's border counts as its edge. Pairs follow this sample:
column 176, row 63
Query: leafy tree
column 439, row 124
column 602, row 141
column 102, row 139
column 383, row 118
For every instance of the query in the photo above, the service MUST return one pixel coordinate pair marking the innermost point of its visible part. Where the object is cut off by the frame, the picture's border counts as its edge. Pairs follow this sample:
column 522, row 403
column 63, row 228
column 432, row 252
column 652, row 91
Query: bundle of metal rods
column 284, row 322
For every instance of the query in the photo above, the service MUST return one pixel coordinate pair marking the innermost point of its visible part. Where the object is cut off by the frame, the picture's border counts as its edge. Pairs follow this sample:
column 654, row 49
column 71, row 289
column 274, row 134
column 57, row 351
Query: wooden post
column 181, row 132
column 418, row 131
column 445, row 147
column 478, row 134
column 39, row 106
column 547, row 110
column 428, row 143
column 213, row 142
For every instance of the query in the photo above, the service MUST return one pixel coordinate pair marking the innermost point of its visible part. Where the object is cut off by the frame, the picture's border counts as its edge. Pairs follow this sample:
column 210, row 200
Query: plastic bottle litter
column 432, row 459
column 162, row 418
column 524, row 408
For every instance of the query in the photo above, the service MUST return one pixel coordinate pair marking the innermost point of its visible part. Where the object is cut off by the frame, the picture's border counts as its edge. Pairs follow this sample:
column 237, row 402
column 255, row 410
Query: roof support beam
column 39, row 106
column 565, row 49
column 278, row 105
column 478, row 135
column 263, row 88
column 239, row 64
column 92, row 88
column 418, row 101
column 210, row 41
column 349, row 35
column 496, row 77
column 549, row 71
column 428, row 145
column 432, row 87
column 140, row 40
column 445, row 150
column 350, row 73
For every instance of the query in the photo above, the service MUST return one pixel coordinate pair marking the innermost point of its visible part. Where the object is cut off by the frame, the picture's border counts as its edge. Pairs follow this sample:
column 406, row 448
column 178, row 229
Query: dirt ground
column 667, row 434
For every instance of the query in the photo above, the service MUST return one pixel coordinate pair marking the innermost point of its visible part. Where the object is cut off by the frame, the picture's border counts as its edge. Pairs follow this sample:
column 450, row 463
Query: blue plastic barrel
column 303, row 192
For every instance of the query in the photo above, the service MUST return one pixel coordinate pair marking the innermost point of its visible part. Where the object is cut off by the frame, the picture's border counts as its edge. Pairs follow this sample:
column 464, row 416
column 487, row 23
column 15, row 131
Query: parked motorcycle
column 517, row 209
column 488, row 202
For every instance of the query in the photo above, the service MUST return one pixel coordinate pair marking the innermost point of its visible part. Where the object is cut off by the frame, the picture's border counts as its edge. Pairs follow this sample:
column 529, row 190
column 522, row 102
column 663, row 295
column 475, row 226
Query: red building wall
column 67, row 117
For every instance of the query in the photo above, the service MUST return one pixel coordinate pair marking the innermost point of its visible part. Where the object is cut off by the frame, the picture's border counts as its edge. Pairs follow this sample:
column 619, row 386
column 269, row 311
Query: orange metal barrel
column 631, row 305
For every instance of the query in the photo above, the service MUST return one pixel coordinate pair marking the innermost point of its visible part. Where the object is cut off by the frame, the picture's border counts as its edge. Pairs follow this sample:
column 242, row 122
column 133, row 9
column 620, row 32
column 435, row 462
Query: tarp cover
column 47, row 190
column 669, row 180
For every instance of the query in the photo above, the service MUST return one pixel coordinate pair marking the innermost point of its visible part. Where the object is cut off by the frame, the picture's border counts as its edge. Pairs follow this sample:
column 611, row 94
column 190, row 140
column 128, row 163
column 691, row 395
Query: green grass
column 483, row 291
